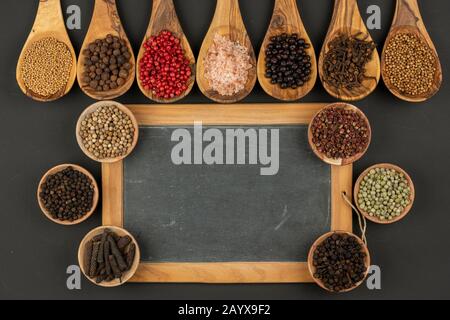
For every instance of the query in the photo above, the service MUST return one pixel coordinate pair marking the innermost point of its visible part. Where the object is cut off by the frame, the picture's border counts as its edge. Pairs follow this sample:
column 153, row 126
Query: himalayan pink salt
column 227, row 66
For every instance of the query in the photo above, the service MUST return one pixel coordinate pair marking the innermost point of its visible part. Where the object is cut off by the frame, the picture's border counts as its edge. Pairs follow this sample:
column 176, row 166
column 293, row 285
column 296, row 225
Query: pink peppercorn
column 164, row 67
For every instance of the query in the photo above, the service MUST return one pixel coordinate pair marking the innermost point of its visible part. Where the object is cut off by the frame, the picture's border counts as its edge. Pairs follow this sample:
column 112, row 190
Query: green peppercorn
column 384, row 193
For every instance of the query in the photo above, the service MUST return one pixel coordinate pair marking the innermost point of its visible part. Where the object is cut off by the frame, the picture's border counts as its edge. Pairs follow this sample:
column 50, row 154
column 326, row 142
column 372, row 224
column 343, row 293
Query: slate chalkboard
column 220, row 213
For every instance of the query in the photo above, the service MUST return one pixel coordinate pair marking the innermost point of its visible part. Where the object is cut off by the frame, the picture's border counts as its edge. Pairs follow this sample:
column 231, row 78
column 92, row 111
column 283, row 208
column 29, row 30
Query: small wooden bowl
column 58, row 169
column 386, row 166
column 344, row 161
column 121, row 232
column 312, row 269
column 94, row 107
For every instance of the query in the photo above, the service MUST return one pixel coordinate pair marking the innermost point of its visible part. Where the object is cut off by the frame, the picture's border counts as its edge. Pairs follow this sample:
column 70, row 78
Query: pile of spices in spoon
column 67, row 195
column 108, row 256
column 340, row 262
column 410, row 64
column 46, row 67
column 384, row 193
column 345, row 60
column 227, row 66
column 164, row 69
column 340, row 133
column 288, row 63
column 107, row 64
column 107, row 133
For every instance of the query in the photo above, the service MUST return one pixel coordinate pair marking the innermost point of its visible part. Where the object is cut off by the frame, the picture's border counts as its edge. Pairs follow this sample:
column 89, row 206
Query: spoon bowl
column 347, row 21
column 49, row 23
column 286, row 19
column 164, row 17
column 227, row 22
column 407, row 19
column 105, row 21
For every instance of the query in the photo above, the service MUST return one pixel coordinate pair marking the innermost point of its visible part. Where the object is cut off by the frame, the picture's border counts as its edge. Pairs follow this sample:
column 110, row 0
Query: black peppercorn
column 280, row 66
column 67, row 195
column 339, row 262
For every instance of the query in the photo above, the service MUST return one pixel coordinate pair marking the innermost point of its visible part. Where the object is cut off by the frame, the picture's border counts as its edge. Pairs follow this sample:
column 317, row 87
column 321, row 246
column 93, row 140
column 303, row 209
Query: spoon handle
column 108, row 8
column 407, row 13
column 227, row 13
column 346, row 13
column 163, row 14
column 46, row 9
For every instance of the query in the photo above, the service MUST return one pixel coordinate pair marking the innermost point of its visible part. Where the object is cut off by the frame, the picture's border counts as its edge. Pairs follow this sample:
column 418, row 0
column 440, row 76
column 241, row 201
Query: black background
column 34, row 253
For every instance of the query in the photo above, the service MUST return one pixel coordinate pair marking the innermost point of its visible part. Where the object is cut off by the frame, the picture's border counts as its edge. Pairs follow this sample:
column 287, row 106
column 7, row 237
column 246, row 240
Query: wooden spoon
column 407, row 19
column 164, row 17
column 347, row 20
column 105, row 20
column 286, row 19
column 49, row 22
column 227, row 22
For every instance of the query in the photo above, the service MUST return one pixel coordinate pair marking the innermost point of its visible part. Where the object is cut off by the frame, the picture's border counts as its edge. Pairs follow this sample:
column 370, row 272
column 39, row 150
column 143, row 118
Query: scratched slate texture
column 212, row 213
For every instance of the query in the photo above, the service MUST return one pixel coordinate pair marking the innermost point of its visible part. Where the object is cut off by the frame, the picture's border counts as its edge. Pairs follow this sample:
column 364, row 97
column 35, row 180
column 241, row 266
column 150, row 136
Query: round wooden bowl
column 121, row 232
column 340, row 161
column 386, row 166
column 312, row 269
column 58, row 169
column 93, row 108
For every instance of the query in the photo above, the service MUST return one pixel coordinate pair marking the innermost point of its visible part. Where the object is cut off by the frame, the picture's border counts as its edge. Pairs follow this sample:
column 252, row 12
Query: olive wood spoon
column 286, row 19
column 407, row 19
column 227, row 22
column 105, row 20
column 347, row 20
column 164, row 17
column 49, row 22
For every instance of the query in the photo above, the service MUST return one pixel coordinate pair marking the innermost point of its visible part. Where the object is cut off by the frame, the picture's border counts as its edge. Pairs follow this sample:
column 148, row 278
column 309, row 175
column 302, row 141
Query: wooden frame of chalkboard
column 216, row 114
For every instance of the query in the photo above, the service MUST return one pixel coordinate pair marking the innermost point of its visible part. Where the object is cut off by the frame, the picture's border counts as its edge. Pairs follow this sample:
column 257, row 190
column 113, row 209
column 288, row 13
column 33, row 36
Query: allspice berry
column 107, row 64
column 107, row 133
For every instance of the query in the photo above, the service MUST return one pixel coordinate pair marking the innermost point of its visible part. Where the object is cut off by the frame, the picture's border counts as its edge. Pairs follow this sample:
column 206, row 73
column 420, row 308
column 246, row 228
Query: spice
column 410, row 64
column 384, row 193
column 107, row 64
column 227, row 64
column 67, row 195
column 107, row 132
column 164, row 68
column 340, row 133
column 345, row 60
column 288, row 63
column 115, row 262
column 46, row 67
column 339, row 262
